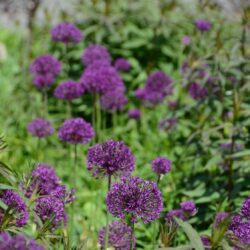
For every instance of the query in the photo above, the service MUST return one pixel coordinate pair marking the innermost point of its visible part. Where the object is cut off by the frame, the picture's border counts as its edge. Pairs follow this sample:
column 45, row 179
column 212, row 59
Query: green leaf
column 4, row 186
column 186, row 247
column 192, row 235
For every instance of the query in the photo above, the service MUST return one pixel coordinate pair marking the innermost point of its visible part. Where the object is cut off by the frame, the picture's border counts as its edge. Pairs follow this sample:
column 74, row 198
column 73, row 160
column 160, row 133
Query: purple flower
column 188, row 208
column 161, row 165
column 119, row 236
column 95, row 52
column 135, row 197
column 245, row 209
column 157, row 87
column 122, row 64
column 110, row 158
column 76, row 131
column 169, row 123
column 186, row 40
column 51, row 208
column 40, row 128
column 202, row 25
column 113, row 100
column 44, row 70
column 178, row 213
column 206, row 241
column 220, row 218
column 17, row 205
column 18, row 242
column 134, row 114
column 197, row 92
column 68, row 90
column 101, row 78
column 66, row 33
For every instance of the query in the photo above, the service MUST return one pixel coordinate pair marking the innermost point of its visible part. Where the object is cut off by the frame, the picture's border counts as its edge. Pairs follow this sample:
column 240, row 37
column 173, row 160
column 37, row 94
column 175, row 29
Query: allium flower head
column 122, row 64
column 66, row 33
column 178, row 213
column 40, row 128
column 119, row 236
column 161, row 165
column 134, row 114
column 94, row 53
column 101, row 78
column 113, row 100
column 245, row 209
column 18, row 242
column 110, row 158
column 197, row 92
column 186, row 40
column 51, row 208
column 189, row 208
column 220, row 218
column 135, row 197
column 68, row 90
column 44, row 70
column 206, row 241
column 202, row 25
column 17, row 205
column 76, row 131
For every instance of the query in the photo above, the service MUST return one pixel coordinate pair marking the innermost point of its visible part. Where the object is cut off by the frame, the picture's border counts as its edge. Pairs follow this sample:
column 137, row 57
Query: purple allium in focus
column 122, row 64
column 76, row 131
column 113, row 100
column 40, row 128
column 101, row 78
column 66, row 33
column 188, row 208
column 186, row 40
column 202, row 25
column 110, row 158
column 161, row 165
column 51, row 208
column 197, row 92
column 135, row 197
column 134, row 114
column 245, row 209
column 44, row 70
column 119, row 236
column 94, row 53
column 18, row 242
column 206, row 241
column 17, row 205
column 69, row 90
column 220, row 218
column 178, row 213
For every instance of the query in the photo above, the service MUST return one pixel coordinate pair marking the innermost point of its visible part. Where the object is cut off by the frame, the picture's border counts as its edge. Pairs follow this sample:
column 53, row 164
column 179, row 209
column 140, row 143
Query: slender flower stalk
column 131, row 235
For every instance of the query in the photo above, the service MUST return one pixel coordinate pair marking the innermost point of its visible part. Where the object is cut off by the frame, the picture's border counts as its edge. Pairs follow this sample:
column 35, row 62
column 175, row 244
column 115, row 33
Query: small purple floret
column 40, row 128
column 161, row 165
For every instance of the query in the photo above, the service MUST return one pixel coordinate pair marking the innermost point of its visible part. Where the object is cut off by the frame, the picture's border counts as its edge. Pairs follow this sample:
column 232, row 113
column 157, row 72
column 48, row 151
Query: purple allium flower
column 66, row 33
column 161, row 165
column 18, row 242
column 202, row 25
column 178, row 213
column 245, row 209
column 69, row 90
column 197, row 92
column 51, row 208
column 188, row 208
column 76, row 131
column 113, row 100
column 122, row 64
column 134, row 114
column 220, row 218
column 17, row 205
column 94, row 53
column 157, row 87
column 135, row 197
column 44, row 70
column 186, row 40
column 101, row 78
column 40, row 128
column 206, row 241
column 119, row 236
column 110, row 158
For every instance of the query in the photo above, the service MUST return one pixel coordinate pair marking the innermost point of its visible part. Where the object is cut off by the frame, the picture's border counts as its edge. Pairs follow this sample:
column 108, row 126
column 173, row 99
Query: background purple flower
column 40, row 128
column 206, row 241
column 76, row 131
column 178, row 213
column 197, row 92
column 188, row 208
column 186, row 40
column 161, row 165
column 17, row 205
column 134, row 114
column 69, row 90
column 18, row 242
column 245, row 209
column 119, row 236
column 135, row 197
column 220, row 218
column 66, row 33
column 95, row 53
column 202, row 25
column 122, row 64
column 110, row 158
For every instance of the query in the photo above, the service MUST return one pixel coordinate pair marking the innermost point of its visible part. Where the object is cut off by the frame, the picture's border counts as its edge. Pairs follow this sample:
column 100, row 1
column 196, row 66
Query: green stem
column 69, row 110
column 98, row 119
column 107, row 220
column 45, row 102
column 131, row 235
